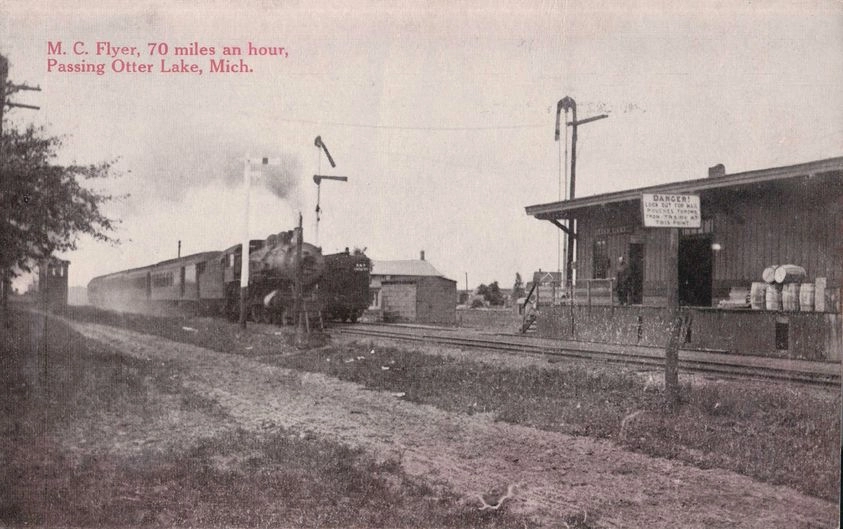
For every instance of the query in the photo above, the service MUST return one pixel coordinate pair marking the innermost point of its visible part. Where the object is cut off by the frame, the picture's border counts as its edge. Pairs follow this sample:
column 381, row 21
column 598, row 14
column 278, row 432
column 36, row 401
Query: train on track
column 336, row 285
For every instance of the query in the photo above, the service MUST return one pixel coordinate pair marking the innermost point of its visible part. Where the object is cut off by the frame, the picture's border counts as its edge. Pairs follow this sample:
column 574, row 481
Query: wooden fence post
column 671, row 354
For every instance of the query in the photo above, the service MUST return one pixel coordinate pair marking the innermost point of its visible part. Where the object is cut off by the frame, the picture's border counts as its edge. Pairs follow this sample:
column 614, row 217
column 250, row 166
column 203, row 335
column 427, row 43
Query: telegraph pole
column 4, row 73
column 7, row 89
column 244, row 251
column 5, row 283
column 299, row 301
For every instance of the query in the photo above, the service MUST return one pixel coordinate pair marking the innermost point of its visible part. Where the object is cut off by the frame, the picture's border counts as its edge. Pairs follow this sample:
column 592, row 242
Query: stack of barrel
column 783, row 288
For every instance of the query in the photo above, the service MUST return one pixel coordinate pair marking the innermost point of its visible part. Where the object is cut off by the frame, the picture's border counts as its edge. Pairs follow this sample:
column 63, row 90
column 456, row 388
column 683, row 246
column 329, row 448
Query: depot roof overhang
column 567, row 209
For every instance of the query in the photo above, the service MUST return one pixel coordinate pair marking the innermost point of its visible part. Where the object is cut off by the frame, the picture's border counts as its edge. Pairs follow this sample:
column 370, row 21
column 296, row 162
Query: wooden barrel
column 769, row 274
column 790, row 274
column 806, row 297
column 790, row 296
column 773, row 297
column 757, row 293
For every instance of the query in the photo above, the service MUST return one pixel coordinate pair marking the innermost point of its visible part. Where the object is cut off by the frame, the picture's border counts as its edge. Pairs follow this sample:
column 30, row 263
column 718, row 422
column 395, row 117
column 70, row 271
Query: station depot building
column 759, row 273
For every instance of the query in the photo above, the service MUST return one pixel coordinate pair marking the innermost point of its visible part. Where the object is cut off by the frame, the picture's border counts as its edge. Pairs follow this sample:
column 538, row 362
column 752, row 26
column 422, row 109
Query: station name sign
column 670, row 211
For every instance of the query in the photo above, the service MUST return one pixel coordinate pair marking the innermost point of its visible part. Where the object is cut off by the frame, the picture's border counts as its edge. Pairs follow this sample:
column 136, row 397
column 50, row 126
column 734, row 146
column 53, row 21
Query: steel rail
column 556, row 354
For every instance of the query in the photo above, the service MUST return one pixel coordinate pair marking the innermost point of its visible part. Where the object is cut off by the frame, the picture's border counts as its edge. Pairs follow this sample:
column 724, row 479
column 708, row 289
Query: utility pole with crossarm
column 7, row 89
column 567, row 103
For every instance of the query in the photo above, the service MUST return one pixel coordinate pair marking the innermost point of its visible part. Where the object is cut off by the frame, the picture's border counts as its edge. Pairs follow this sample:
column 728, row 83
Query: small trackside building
column 52, row 283
column 750, row 221
column 412, row 291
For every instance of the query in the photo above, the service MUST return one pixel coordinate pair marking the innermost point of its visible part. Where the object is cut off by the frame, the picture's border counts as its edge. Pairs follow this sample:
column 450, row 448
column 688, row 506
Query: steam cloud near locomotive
column 209, row 282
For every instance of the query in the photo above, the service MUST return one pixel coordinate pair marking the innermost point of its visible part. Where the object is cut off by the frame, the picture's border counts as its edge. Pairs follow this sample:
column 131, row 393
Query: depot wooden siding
column 777, row 228
column 754, row 229
column 589, row 226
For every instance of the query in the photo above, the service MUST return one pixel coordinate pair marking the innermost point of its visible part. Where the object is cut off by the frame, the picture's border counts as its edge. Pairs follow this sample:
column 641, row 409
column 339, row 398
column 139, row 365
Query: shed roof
column 555, row 210
column 409, row 267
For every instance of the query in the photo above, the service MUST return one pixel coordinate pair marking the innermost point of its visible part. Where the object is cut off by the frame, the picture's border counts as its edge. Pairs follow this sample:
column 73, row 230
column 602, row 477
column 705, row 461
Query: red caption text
column 193, row 58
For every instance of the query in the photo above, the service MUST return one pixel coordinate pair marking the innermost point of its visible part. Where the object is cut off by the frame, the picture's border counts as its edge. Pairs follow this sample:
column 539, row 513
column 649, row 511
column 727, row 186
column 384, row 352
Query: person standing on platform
column 622, row 281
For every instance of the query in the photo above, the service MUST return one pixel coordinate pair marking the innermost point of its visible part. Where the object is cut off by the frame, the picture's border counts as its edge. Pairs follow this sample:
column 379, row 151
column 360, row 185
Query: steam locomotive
column 336, row 285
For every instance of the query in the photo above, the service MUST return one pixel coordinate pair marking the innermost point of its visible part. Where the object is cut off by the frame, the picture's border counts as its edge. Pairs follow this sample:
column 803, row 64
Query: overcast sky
column 441, row 115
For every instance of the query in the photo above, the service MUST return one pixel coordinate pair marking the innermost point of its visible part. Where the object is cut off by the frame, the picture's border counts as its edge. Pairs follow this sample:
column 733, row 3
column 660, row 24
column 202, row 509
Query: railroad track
column 718, row 367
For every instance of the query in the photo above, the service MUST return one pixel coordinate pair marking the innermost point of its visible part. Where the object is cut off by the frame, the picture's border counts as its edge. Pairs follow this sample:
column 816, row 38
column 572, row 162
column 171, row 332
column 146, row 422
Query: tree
column 482, row 290
column 481, row 294
column 491, row 293
column 495, row 296
column 518, row 288
column 46, row 207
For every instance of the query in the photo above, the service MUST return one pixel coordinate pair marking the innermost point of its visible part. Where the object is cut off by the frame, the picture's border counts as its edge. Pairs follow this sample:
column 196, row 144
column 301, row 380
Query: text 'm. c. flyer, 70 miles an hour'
column 106, row 57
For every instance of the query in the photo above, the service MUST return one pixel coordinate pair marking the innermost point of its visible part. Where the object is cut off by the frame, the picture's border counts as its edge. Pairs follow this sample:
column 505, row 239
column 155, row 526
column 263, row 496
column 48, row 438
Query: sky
column 441, row 114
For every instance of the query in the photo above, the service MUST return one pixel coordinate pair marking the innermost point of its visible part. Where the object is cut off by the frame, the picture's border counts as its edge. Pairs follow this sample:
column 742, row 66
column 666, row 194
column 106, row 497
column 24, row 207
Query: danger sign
column 670, row 211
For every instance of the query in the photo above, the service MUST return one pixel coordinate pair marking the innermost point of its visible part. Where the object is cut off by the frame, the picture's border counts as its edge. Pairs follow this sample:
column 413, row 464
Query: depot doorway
column 695, row 271
column 636, row 273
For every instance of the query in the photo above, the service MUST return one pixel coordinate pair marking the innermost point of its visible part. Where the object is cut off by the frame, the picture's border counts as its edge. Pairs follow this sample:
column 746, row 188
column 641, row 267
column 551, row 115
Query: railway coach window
column 162, row 279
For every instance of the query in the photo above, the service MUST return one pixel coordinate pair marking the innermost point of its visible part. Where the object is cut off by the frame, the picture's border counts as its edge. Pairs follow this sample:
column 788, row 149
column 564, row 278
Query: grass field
column 783, row 434
column 52, row 380
column 779, row 433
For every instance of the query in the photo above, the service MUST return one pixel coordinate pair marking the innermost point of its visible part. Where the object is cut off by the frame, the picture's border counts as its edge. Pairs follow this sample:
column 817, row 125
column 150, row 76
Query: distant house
column 412, row 291
column 548, row 289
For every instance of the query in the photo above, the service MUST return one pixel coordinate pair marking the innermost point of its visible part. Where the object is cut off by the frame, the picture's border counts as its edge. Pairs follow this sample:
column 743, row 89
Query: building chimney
column 421, row 255
column 717, row 171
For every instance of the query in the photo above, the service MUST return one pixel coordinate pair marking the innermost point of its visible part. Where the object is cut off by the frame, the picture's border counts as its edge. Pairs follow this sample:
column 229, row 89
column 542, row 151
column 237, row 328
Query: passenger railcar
column 195, row 281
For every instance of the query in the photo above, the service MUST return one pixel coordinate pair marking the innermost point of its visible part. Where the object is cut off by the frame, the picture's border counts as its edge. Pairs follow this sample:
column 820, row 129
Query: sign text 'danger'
column 670, row 211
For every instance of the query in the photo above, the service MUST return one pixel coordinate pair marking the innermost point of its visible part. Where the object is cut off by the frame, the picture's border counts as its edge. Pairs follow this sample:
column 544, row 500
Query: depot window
column 600, row 261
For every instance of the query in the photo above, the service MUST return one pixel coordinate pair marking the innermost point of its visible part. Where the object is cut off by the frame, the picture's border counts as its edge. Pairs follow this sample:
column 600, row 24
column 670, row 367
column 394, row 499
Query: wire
column 402, row 127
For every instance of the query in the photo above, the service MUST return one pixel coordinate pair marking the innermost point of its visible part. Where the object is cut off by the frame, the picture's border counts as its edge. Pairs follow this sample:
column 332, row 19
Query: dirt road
column 556, row 475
